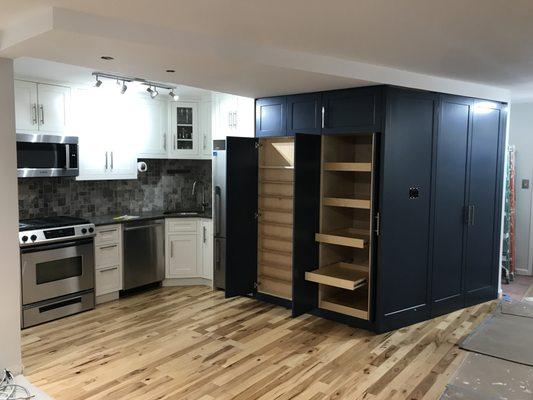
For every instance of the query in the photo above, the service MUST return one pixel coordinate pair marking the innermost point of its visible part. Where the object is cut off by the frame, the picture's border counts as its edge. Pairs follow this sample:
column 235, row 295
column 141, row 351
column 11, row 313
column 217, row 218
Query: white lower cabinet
column 207, row 248
column 108, row 259
column 189, row 248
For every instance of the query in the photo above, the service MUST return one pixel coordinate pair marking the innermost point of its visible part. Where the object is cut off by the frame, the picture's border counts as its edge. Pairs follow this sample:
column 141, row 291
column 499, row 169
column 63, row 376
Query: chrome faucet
column 204, row 204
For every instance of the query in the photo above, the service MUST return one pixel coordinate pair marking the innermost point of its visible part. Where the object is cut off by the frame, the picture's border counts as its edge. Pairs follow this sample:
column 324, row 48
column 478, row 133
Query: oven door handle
column 54, row 246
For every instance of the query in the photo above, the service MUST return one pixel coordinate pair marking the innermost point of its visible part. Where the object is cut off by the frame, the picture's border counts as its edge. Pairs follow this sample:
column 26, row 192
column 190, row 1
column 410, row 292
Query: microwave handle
column 67, row 156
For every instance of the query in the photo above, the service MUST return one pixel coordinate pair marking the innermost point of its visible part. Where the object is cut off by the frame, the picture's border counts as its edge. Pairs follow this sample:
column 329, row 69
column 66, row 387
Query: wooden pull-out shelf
column 350, row 237
column 343, row 202
column 348, row 302
column 342, row 275
column 347, row 166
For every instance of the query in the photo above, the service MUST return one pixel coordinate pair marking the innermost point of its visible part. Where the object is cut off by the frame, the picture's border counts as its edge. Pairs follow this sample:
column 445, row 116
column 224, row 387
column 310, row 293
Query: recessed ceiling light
column 107, row 58
column 171, row 70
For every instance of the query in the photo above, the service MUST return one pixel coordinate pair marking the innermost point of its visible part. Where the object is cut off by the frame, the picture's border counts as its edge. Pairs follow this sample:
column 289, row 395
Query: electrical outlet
column 525, row 183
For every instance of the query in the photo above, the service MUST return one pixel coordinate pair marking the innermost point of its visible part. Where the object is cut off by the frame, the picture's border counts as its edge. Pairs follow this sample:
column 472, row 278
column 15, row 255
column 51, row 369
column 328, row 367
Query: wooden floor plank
column 192, row 343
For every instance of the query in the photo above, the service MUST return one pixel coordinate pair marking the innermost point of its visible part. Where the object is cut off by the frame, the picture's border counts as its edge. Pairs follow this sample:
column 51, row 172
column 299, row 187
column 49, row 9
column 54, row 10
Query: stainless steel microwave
column 46, row 155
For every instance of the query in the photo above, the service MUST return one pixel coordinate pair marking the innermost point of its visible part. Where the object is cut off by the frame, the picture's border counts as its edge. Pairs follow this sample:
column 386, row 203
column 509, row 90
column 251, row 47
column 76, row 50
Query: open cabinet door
column 241, row 211
column 306, row 221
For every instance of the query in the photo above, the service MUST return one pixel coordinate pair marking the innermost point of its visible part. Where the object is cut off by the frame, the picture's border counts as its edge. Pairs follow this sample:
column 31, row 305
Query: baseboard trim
column 187, row 282
column 104, row 298
column 522, row 271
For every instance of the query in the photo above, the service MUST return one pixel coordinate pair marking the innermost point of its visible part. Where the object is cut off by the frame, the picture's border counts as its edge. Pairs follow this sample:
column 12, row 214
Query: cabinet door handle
column 205, row 234
column 229, row 120
column 111, row 161
column 109, row 230
column 106, row 163
column 323, row 116
column 107, row 269
column 205, row 141
column 108, row 247
column 41, row 108
column 235, row 119
column 171, row 250
column 471, row 215
column 175, row 141
column 34, row 114
column 165, row 141
column 217, row 255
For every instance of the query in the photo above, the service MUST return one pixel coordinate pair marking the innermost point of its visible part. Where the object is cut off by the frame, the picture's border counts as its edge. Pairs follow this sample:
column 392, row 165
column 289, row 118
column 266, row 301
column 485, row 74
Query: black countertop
column 110, row 219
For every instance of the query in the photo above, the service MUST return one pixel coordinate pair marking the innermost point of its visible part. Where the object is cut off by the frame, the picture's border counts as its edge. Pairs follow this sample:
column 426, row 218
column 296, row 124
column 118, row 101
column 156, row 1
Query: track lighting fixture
column 154, row 93
column 123, row 87
column 149, row 90
column 173, row 95
column 98, row 82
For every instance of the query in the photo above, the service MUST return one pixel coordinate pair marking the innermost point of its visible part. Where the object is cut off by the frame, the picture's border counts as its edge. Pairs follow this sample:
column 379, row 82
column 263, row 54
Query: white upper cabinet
column 151, row 116
column 184, row 130
column 53, row 110
column 26, row 106
column 108, row 142
column 234, row 116
column 41, row 107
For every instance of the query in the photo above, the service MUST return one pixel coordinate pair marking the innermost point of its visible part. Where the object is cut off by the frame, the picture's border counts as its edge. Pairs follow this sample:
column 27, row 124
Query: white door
column 224, row 116
column 205, row 127
column 245, row 117
column 26, row 106
column 182, row 259
column 207, row 248
column 184, row 130
column 53, row 108
column 151, row 117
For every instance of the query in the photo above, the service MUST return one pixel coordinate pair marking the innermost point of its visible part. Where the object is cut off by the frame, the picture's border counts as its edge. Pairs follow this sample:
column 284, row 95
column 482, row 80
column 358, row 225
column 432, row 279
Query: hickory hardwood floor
column 191, row 343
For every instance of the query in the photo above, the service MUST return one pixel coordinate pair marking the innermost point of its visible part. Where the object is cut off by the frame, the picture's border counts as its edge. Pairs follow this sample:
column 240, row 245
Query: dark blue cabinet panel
column 483, row 203
column 450, row 161
column 353, row 110
column 304, row 114
column 241, row 208
column 402, row 287
column 270, row 116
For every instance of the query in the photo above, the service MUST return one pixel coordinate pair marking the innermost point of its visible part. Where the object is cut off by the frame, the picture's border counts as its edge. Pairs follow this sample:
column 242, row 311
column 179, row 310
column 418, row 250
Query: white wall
column 521, row 136
column 9, row 250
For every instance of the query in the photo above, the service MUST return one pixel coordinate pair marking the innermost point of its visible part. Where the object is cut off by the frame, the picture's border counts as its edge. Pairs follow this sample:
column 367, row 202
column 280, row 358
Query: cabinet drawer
column 107, row 280
column 107, row 234
column 182, row 225
column 106, row 255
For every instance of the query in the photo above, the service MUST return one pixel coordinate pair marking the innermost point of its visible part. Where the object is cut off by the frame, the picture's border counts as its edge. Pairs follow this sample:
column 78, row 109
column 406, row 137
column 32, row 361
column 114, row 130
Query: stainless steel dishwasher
column 144, row 253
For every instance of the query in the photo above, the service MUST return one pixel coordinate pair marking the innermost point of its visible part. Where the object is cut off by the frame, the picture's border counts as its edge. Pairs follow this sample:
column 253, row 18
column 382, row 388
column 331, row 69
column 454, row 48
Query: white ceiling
column 255, row 48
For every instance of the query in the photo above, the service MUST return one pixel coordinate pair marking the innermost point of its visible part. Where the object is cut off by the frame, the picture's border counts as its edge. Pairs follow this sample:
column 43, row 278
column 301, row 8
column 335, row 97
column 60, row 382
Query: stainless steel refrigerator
column 219, row 188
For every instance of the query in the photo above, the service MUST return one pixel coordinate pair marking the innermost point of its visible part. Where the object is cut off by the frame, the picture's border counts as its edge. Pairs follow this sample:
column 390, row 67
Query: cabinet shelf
column 347, row 166
column 349, row 237
column 275, row 287
column 275, row 182
column 276, row 196
column 348, row 302
column 276, row 166
column 346, row 202
column 341, row 275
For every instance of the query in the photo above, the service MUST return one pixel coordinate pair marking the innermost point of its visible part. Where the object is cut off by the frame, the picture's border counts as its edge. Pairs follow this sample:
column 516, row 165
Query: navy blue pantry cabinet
column 435, row 203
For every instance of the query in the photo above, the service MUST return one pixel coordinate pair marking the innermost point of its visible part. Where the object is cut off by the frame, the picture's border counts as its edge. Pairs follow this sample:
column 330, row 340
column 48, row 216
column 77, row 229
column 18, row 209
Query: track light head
column 173, row 95
column 123, row 88
column 98, row 82
column 154, row 93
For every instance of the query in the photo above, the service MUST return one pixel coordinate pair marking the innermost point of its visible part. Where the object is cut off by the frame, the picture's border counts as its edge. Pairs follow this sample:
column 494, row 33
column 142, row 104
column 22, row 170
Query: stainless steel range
column 57, row 268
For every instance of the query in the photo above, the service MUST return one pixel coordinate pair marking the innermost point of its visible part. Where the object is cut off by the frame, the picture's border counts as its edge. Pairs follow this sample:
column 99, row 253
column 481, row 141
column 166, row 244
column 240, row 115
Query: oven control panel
column 39, row 236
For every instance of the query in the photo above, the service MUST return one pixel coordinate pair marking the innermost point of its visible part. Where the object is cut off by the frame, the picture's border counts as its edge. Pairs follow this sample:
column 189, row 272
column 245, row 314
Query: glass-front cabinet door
column 184, row 139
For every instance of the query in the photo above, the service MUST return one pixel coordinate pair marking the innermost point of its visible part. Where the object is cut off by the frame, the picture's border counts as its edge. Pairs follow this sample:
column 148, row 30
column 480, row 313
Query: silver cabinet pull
column 108, row 247
column 171, row 250
column 41, row 109
column 175, row 141
column 229, row 120
column 107, row 269
column 111, row 161
column 205, row 141
column 323, row 116
column 109, row 230
column 235, row 119
column 34, row 114
column 106, row 164
column 165, row 141
column 205, row 234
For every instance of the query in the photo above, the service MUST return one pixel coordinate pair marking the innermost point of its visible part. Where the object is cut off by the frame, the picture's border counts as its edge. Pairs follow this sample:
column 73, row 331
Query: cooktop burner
column 49, row 222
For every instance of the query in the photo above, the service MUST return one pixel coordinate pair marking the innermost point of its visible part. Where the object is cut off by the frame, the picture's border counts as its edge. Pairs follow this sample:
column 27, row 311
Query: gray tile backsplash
column 167, row 185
